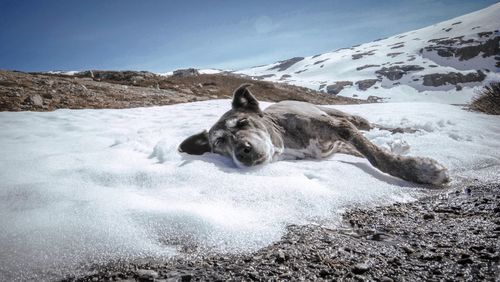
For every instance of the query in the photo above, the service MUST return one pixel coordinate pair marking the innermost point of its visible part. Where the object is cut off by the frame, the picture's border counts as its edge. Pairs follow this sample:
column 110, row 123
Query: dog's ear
column 243, row 100
column 197, row 144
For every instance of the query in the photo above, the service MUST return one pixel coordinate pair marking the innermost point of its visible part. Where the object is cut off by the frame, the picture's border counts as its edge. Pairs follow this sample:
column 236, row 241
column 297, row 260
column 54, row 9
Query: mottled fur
column 299, row 130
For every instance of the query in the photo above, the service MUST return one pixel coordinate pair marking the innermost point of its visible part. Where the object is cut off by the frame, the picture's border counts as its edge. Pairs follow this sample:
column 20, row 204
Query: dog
column 291, row 130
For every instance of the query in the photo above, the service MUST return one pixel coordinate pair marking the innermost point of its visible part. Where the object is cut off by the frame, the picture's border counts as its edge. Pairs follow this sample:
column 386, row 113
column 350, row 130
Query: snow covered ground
column 86, row 186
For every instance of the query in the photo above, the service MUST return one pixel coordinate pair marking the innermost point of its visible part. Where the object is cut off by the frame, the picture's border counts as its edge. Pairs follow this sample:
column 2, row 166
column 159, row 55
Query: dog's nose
column 243, row 151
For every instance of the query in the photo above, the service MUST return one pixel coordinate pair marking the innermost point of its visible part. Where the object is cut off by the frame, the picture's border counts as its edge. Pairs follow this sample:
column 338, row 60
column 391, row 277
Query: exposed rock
column 485, row 33
column 397, row 72
column 24, row 91
column 454, row 47
column 366, row 66
column 360, row 268
column 338, row 86
column 35, row 100
column 398, row 46
column 366, row 83
column 361, row 55
column 321, row 61
column 392, row 55
column 186, row 72
column 283, row 65
column 147, row 273
column 285, row 76
column 439, row 79
column 263, row 76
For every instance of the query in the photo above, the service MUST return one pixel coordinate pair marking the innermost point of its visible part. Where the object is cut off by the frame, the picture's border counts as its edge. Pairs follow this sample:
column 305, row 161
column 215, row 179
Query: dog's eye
column 242, row 122
column 219, row 141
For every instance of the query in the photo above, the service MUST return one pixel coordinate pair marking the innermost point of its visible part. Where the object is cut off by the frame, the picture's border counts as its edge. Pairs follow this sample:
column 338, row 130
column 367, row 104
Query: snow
column 81, row 187
column 339, row 65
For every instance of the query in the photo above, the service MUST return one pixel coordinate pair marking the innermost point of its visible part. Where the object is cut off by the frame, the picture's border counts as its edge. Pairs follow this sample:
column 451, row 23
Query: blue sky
column 165, row 35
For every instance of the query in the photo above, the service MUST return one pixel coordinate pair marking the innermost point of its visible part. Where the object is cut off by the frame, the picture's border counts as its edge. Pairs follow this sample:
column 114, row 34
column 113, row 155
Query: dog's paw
column 428, row 171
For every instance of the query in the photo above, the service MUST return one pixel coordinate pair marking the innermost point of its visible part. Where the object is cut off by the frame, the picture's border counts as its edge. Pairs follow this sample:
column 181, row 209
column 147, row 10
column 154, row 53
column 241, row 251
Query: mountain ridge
column 451, row 59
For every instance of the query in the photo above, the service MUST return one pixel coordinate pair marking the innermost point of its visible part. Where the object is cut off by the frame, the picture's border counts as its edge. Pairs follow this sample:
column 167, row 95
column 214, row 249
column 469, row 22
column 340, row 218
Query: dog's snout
column 244, row 153
column 247, row 148
column 244, row 149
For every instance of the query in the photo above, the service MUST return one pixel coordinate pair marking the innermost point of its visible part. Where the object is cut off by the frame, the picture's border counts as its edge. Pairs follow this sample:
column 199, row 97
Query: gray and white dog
column 299, row 130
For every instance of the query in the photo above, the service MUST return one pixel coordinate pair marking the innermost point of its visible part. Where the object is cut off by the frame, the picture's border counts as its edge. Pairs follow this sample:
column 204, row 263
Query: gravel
column 448, row 236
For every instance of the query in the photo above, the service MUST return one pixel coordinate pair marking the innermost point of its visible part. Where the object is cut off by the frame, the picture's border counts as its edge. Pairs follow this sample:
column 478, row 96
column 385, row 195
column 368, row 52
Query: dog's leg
column 415, row 169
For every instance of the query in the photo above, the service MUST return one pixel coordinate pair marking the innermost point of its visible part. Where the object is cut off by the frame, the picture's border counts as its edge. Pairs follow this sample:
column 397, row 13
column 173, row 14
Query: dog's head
column 240, row 134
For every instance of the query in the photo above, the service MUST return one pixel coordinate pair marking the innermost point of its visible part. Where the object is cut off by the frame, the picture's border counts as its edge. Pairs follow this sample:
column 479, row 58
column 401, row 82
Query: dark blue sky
column 165, row 35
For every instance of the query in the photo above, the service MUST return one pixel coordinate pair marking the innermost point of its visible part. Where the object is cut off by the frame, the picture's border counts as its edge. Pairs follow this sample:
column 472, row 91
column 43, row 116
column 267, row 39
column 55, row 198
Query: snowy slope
column 445, row 60
column 86, row 186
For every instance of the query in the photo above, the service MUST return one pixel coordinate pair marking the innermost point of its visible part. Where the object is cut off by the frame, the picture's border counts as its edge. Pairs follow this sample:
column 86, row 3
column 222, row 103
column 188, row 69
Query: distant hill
column 442, row 62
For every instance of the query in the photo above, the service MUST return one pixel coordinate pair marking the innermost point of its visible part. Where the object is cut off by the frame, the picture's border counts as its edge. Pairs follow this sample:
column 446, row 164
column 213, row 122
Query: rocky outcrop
column 34, row 100
column 361, row 55
column 397, row 72
column 46, row 92
column 186, row 72
column 366, row 66
column 365, row 83
column 338, row 86
column 439, row 79
column 125, row 77
column 393, row 55
column 465, row 49
column 283, row 65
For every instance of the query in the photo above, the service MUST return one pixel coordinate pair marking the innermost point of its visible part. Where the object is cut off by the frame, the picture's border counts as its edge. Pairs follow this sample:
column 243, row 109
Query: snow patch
column 88, row 186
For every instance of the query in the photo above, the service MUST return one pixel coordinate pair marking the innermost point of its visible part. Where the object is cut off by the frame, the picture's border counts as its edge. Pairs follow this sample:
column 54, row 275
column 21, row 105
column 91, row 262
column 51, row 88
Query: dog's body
column 299, row 130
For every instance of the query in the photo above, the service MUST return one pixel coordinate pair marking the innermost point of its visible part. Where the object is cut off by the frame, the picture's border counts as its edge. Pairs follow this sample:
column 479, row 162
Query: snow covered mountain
column 442, row 62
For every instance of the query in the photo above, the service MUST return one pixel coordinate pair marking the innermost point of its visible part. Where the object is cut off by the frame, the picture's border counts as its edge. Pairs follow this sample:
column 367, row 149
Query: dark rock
column 392, row 55
column 285, row 76
column 428, row 216
column 186, row 277
column 338, row 86
column 360, row 268
column 186, row 72
column 321, row 61
column 439, row 79
column 485, row 33
column 397, row 72
column 47, row 96
column 263, row 76
column 361, row 55
column 452, row 47
column 283, row 65
column 374, row 99
column 398, row 46
column 366, row 83
column 280, row 257
column 366, row 66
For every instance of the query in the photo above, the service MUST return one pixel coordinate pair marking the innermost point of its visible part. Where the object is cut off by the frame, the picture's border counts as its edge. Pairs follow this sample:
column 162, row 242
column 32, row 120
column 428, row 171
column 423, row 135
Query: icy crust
column 86, row 186
column 413, row 48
